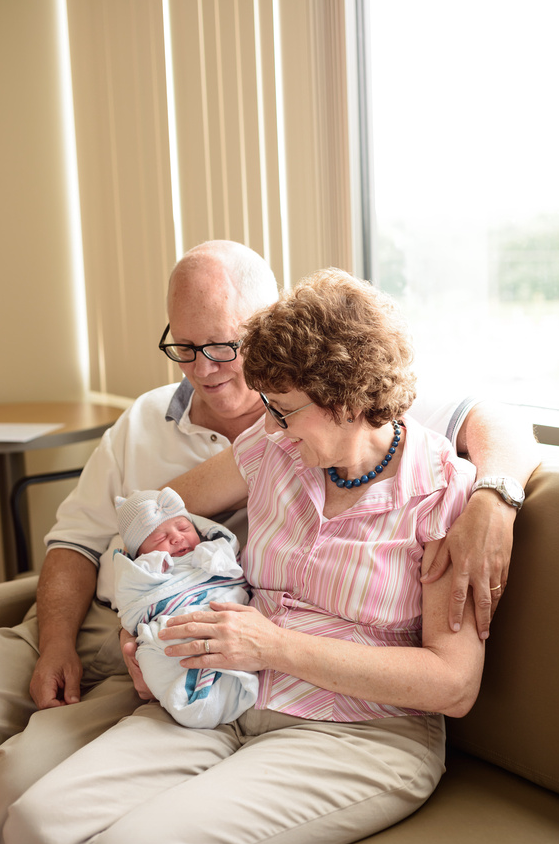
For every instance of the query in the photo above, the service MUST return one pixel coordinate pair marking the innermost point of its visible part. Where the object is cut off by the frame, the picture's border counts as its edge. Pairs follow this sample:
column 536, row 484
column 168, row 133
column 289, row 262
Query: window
column 466, row 188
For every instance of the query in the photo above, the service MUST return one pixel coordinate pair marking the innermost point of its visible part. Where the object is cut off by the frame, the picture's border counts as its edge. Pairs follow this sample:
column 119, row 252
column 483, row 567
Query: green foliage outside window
column 525, row 261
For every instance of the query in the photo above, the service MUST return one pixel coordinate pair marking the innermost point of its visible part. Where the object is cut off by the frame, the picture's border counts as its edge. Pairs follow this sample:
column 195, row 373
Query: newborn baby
column 171, row 568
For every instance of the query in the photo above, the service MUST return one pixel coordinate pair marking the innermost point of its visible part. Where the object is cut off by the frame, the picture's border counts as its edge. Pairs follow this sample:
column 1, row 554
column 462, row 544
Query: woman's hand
column 238, row 637
column 479, row 546
column 128, row 647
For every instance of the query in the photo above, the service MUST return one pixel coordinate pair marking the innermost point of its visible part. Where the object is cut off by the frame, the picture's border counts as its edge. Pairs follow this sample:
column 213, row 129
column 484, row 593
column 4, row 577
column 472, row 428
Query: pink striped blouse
column 354, row 576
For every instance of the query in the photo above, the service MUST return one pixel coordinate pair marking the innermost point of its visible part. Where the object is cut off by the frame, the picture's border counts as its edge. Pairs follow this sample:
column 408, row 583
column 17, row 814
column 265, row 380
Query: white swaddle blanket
column 156, row 586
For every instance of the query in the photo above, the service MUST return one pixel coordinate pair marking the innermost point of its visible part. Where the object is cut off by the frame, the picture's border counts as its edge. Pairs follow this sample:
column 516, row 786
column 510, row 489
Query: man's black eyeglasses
column 186, row 353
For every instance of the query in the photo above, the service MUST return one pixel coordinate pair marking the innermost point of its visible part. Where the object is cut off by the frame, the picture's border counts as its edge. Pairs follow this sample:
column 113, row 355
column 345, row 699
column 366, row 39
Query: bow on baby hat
column 143, row 511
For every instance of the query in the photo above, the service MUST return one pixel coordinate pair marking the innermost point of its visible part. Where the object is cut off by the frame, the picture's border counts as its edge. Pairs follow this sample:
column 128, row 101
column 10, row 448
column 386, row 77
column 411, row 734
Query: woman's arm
column 213, row 486
column 441, row 676
column 498, row 441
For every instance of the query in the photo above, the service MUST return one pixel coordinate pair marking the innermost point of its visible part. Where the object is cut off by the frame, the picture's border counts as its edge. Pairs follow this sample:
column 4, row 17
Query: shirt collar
column 421, row 468
column 180, row 401
column 420, row 471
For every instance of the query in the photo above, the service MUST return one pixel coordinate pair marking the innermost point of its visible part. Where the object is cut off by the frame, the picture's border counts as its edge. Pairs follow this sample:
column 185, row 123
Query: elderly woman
column 347, row 500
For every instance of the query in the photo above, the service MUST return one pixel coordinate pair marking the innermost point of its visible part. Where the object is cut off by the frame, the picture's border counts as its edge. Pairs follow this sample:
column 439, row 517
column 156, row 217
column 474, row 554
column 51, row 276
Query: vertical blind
column 201, row 119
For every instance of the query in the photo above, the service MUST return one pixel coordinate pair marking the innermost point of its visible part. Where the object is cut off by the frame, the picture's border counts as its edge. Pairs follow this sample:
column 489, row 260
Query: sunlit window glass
column 466, row 188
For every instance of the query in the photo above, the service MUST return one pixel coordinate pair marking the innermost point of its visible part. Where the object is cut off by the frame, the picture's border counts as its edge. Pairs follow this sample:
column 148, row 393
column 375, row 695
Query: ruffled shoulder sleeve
column 444, row 506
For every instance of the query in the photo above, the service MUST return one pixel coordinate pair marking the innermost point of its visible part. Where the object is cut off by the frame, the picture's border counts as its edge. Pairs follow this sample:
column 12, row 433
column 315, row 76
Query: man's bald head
column 223, row 271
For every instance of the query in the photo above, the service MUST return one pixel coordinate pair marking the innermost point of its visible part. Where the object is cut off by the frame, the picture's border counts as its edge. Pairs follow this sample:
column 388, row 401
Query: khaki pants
column 266, row 777
column 34, row 742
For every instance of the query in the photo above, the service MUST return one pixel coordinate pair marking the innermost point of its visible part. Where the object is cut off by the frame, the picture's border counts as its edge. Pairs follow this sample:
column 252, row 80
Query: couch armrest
column 514, row 721
column 16, row 597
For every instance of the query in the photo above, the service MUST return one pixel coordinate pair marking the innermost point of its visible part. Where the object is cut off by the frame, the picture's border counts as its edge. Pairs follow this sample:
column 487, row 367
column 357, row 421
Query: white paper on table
column 15, row 432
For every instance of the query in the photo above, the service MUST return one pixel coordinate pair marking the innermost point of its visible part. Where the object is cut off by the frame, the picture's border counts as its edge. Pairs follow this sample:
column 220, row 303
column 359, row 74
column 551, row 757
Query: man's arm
column 64, row 594
column 68, row 579
column 499, row 441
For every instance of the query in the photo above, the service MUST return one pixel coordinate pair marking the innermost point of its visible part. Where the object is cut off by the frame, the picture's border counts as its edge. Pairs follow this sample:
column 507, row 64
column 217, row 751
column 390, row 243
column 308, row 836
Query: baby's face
column 176, row 536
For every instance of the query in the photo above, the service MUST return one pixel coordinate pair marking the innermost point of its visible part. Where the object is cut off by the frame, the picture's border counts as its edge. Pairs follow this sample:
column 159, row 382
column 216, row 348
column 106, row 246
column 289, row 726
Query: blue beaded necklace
column 364, row 479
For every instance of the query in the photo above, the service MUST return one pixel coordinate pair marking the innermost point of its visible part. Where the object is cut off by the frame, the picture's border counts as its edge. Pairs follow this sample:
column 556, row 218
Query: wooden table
column 80, row 421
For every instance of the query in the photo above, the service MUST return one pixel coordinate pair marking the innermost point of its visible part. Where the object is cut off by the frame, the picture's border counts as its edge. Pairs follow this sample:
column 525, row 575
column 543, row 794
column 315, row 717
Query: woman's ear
column 351, row 415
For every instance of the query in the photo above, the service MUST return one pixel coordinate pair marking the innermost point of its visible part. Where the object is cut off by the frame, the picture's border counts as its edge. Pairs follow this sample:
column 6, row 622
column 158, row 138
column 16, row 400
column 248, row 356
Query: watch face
column 514, row 490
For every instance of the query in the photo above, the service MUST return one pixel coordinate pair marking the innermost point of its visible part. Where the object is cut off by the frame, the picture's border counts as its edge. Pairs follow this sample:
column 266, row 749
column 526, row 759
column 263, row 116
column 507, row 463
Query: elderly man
column 64, row 679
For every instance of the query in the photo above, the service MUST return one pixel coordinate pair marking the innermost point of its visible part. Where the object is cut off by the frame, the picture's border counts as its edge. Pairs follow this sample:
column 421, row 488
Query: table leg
column 12, row 468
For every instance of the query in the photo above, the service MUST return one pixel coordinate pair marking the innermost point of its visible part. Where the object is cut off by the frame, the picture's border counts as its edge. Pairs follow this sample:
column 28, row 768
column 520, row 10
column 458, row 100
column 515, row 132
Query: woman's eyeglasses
column 278, row 417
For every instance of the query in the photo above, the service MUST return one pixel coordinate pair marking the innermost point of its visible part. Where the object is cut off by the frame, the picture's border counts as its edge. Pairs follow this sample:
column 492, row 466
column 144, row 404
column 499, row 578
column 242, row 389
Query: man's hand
column 64, row 593
column 128, row 646
column 56, row 679
column 479, row 546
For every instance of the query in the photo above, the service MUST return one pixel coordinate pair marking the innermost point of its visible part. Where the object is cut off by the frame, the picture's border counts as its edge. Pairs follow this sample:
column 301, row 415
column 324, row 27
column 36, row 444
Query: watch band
column 508, row 488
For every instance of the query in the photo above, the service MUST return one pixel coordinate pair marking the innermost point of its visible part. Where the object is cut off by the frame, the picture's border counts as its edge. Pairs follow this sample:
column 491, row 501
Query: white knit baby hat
column 143, row 511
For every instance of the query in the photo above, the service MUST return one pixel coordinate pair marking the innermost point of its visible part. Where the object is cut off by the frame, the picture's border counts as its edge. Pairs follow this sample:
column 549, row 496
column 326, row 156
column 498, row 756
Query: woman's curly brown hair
column 337, row 339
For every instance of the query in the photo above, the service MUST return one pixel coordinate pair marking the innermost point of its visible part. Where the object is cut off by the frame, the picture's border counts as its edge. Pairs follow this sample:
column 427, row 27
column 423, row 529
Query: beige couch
column 502, row 778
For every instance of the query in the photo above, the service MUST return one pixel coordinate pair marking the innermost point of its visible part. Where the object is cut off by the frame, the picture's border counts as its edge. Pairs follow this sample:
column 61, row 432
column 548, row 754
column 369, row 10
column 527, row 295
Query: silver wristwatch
column 508, row 488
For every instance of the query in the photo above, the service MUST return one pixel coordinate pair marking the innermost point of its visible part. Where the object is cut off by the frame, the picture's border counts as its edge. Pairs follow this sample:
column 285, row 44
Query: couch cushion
column 16, row 597
column 478, row 802
column 514, row 723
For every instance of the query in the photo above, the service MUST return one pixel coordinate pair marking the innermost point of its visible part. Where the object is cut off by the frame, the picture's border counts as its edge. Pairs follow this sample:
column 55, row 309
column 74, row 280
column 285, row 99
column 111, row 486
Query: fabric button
column 213, row 438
